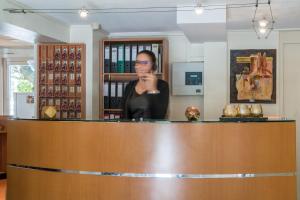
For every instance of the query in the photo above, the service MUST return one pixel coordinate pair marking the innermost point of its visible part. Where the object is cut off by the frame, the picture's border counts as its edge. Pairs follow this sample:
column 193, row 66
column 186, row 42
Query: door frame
column 6, row 63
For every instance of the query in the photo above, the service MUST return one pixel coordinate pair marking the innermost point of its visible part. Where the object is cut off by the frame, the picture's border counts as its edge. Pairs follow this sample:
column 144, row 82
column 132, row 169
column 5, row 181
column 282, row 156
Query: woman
column 147, row 97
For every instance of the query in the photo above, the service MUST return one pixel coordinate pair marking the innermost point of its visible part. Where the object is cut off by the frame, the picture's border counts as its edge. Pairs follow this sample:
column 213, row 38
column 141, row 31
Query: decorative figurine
column 78, row 66
column 78, row 54
column 71, row 66
column 57, row 54
column 64, row 53
column 72, row 53
column 230, row 110
column 192, row 113
column 244, row 110
column 48, row 112
column 256, row 110
column 57, row 66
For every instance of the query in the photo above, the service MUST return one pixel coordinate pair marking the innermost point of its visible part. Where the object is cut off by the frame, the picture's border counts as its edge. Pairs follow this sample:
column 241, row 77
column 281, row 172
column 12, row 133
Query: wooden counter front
column 3, row 149
column 266, row 149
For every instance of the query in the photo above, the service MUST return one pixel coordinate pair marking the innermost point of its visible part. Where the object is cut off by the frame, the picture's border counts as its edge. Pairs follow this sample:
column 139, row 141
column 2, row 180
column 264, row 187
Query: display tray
column 242, row 119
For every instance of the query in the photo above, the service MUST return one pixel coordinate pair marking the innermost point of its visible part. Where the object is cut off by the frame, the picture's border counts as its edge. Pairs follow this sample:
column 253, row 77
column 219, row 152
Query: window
column 20, row 79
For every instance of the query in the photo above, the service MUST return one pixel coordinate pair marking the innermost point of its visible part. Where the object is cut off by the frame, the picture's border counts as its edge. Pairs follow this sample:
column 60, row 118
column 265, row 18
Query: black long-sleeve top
column 146, row 106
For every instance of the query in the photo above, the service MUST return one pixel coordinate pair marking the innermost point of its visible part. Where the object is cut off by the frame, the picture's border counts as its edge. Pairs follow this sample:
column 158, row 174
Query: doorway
column 19, row 79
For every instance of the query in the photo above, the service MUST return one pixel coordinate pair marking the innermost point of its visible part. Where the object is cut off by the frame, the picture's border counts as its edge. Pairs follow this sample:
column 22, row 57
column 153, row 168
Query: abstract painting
column 253, row 76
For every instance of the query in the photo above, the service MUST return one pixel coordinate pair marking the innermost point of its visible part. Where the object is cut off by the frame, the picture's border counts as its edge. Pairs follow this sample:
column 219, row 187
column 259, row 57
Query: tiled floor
column 2, row 189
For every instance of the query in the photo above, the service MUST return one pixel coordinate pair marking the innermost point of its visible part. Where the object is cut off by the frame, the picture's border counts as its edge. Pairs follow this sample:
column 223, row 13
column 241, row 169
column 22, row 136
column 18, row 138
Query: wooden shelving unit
column 61, row 79
column 159, row 46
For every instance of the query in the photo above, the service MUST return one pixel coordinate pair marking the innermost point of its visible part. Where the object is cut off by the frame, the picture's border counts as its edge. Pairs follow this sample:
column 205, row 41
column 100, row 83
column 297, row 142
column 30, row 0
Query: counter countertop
column 161, row 121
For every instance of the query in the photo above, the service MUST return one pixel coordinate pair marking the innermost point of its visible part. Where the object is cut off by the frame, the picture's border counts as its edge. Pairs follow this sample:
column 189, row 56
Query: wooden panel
column 3, row 152
column 35, row 185
column 3, row 146
column 2, row 189
column 154, row 147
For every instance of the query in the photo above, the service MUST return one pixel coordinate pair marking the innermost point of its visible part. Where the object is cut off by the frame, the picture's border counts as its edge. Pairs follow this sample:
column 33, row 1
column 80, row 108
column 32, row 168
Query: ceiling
column 8, row 42
column 286, row 14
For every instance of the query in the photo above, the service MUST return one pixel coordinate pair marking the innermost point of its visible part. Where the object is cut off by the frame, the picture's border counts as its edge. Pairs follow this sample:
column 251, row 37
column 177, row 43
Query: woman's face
column 143, row 65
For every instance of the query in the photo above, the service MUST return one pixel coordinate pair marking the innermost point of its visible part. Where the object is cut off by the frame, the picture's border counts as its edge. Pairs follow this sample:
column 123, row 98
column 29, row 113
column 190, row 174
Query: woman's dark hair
column 152, row 57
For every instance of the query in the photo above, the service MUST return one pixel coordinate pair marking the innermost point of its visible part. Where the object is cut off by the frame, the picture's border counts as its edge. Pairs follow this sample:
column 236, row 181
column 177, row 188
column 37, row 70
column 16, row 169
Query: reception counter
column 3, row 138
column 70, row 160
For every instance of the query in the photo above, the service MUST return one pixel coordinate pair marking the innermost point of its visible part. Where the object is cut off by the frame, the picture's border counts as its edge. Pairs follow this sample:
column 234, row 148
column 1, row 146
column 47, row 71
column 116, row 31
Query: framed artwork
column 253, row 76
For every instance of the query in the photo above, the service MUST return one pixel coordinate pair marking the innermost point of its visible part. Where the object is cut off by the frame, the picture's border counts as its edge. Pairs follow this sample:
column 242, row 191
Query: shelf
column 126, row 74
column 123, row 76
column 112, row 109
column 60, row 71
column 60, row 97
column 61, row 84
column 160, row 46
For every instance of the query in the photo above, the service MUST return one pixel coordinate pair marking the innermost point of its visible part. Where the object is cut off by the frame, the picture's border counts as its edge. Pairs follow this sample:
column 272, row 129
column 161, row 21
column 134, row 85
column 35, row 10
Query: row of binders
column 120, row 58
column 113, row 93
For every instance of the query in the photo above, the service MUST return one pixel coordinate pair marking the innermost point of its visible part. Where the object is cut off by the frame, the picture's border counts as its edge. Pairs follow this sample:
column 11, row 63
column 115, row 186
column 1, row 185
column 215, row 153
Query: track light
column 263, row 27
column 199, row 9
column 83, row 12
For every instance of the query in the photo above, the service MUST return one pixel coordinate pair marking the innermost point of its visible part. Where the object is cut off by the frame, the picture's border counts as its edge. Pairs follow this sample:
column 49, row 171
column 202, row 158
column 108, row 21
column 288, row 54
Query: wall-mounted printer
column 187, row 78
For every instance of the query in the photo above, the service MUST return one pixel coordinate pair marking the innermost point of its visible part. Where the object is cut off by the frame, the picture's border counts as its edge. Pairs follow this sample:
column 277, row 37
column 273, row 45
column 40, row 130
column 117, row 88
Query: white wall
column 290, row 58
column 181, row 50
column 215, row 79
column 248, row 40
column 85, row 34
column 97, row 37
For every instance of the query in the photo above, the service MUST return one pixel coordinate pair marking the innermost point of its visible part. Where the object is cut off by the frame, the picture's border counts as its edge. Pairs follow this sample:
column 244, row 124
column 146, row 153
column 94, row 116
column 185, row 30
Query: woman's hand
column 149, row 81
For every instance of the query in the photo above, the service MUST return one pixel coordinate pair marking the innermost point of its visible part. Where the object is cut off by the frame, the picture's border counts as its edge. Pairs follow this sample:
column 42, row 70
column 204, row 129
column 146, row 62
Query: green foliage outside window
column 25, row 86
column 24, row 77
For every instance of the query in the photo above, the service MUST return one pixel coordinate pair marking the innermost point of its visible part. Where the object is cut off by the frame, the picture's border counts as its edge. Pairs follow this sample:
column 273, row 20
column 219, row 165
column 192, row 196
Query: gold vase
column 230, row 110
column 244, row 110
column 256, row 110
column 192, row 113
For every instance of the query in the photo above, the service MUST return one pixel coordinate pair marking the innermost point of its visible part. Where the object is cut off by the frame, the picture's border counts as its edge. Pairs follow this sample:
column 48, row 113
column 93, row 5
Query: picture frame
column 253, row 76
